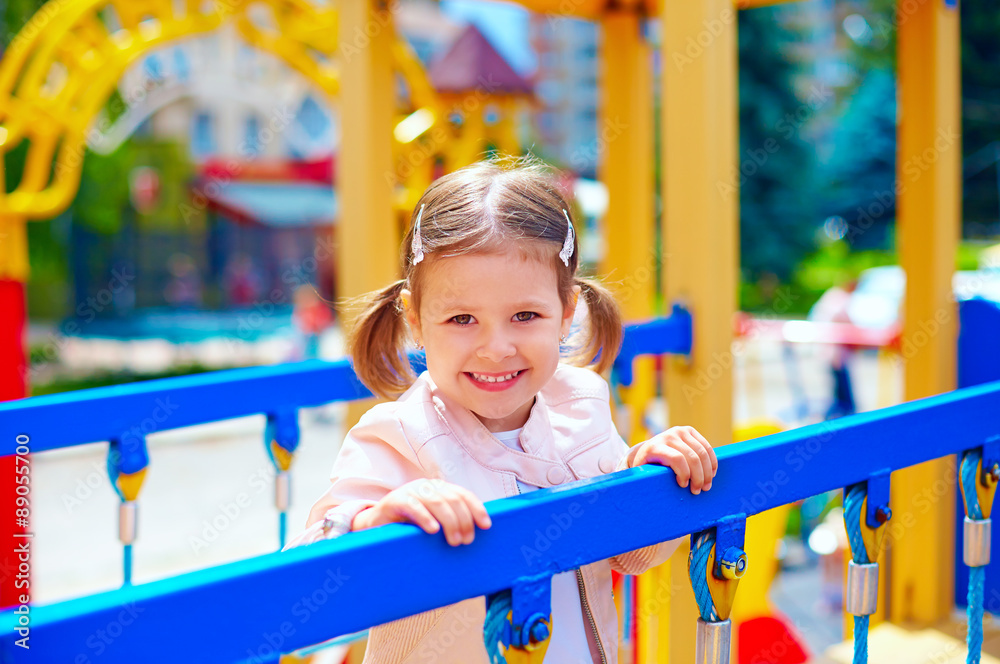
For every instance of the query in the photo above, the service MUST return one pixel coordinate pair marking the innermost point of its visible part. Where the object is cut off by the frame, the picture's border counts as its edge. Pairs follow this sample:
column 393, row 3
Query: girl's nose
column 496, row 347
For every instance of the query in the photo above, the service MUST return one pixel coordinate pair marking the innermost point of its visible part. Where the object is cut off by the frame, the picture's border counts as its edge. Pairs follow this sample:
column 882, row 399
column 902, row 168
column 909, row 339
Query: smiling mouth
column 482, row 378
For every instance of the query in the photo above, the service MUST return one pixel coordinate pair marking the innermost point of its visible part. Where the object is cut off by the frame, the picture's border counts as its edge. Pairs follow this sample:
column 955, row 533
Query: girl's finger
column 704, row 459
column 673, row 459
column 708, row 446
column 441, row 510
column 466, row 524
column 476, row 508
column 415, row 512
column 695, row 468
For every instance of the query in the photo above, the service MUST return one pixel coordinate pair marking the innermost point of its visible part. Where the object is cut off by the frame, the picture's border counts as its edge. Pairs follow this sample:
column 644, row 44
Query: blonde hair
column 492, row 206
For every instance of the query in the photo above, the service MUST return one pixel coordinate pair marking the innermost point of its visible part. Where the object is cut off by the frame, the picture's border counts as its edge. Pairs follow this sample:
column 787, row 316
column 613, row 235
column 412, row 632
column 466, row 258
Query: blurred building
column 427, row 29
column 227, row 99
column 223, row 98
column 261, row 208
column 567, row 91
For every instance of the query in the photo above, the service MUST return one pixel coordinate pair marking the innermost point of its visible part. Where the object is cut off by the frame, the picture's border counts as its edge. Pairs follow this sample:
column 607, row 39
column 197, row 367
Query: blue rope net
column 495, row 625
column 853, row 502
column 701, row 548
column 977, row 575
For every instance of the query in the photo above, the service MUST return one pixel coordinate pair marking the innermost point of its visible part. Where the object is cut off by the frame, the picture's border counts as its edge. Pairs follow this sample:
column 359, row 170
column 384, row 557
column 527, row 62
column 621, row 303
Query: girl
column 489, row 289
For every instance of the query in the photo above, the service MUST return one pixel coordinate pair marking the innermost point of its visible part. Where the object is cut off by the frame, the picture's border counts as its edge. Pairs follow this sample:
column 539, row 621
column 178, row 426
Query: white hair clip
column 567, row 248
column 418, row 244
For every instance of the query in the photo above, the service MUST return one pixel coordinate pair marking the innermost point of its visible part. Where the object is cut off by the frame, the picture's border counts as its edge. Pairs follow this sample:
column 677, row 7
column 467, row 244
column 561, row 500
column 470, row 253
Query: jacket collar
column 538, row 465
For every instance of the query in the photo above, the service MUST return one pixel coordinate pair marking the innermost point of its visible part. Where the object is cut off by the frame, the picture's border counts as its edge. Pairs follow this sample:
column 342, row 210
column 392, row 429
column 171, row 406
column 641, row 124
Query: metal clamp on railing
column 866, row 511
column 281, row 437
column 979, row 472
column 714, row 578
column 978, row 485
column 128, row 460
column 519, row 622
column 976, row 542
column 861, row 598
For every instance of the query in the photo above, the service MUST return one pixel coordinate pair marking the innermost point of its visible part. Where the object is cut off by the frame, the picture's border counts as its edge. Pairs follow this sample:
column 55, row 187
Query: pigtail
column 377, row 342
column 603, row 331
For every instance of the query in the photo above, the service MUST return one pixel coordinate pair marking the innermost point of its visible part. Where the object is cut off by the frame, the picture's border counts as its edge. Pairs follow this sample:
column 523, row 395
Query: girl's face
column 490, row 324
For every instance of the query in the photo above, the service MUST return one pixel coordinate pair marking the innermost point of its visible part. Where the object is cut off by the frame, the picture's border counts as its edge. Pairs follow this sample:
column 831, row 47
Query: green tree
column 13, row 15
column 980, row 110
column 859, row 177
column 865, row 144
column 777, row 219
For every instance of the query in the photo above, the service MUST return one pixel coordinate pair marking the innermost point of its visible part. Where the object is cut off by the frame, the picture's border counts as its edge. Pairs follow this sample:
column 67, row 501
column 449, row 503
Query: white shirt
column 568, row 643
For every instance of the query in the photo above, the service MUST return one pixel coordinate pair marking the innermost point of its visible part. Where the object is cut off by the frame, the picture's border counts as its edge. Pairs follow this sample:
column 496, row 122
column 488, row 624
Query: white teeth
column 494, row 379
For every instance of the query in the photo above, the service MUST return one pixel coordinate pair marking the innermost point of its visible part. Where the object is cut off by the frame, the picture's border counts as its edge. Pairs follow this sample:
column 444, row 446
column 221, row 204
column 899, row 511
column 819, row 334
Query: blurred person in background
column 243, row 282
column 183, row 291
column 311, row 316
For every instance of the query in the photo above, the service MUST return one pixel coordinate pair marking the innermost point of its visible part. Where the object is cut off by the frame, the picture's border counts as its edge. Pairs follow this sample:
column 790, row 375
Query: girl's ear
column 412, row 319
column 567, row 318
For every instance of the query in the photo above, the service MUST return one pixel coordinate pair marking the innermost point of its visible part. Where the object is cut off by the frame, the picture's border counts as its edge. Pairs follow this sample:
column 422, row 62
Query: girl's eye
column 524, row 316
column 462, row 319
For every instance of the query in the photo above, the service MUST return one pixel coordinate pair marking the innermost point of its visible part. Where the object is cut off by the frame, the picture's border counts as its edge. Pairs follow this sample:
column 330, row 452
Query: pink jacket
column 569, row 435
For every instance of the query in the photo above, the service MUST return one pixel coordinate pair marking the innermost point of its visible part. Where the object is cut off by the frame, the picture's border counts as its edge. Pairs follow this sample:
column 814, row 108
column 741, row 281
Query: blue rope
column 861, row 639
column 628, row 606
column 853, row 502
column 127, row 565
column 968, row 468
column 495, row 624
column 977, row 575
column 701, row 547
column 974, row 612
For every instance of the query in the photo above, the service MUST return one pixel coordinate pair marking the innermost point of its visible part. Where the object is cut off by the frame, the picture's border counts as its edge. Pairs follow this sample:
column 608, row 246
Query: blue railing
column 251, row 610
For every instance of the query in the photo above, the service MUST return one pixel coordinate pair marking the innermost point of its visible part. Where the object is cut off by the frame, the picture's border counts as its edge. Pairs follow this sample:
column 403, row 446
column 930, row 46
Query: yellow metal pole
column 506, row 130
column 368, row 238
column 929, row 209
column 13, row 246
column 13, row 329
column 470, row 146
column 699, row 120
column 625, row 166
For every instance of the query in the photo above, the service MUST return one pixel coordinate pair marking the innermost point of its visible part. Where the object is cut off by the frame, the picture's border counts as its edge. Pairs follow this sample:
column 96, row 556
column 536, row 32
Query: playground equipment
column 360, row 570
column 832, row 454
column 58, row 73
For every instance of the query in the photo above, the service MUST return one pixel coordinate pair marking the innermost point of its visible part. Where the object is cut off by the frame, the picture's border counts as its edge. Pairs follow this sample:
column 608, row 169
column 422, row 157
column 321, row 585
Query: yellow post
column 699, row 120
column 13, row 330
column 470, row 147
column 625, row 166
column 368, row 238
column 929, row 209
column 13, row 246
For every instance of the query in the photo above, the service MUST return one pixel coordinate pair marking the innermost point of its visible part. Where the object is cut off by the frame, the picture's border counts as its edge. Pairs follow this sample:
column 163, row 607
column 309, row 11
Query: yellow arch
column 63, row 66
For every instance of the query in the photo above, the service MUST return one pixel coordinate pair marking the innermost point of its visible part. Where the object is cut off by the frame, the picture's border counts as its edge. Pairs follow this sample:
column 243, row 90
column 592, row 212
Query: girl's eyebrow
column 533, row 304
column 519, row 306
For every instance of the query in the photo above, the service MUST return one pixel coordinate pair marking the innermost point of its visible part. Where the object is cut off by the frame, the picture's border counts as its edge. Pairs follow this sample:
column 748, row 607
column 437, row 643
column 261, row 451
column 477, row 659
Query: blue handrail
column 138, row 409
column 251, row 610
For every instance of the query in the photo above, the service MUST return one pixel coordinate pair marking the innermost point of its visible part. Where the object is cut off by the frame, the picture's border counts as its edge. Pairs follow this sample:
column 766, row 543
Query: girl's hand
column 430, row 504
column 685, row 451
